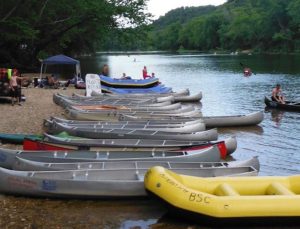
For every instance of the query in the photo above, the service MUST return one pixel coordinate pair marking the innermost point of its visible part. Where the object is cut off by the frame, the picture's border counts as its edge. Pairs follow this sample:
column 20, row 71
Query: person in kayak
column 277, row 94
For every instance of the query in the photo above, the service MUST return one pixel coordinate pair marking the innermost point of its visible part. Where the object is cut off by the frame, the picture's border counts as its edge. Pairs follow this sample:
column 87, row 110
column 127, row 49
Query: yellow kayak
column 228, row 199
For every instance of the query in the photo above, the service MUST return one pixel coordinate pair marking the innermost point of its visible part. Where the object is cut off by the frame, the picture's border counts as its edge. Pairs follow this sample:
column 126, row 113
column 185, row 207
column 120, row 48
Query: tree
column 30, row 29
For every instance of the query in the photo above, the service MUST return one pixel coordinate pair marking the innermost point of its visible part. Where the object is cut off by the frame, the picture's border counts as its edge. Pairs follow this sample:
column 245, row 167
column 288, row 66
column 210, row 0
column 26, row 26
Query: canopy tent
column 61, row 60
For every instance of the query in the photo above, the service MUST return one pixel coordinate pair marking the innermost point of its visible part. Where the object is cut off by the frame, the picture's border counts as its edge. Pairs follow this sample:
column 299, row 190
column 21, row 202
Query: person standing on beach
column 15, row 88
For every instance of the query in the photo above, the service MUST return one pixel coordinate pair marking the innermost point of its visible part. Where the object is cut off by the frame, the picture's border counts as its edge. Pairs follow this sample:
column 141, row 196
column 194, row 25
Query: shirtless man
column 277, row 94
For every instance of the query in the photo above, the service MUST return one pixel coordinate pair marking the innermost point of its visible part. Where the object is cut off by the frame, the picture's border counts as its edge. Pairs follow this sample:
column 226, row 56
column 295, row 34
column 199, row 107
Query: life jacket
column 9, row 73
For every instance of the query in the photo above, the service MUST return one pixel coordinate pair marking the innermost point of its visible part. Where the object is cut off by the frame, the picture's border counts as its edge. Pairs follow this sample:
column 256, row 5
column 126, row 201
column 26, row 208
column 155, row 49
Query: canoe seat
column 276, row 188
column 226, row 190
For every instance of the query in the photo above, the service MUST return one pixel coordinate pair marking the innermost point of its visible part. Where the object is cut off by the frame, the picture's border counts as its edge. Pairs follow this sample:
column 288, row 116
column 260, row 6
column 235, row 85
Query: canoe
column 58, row 144
column 174, row 106
column 188, row 98
column 158, row 98
column 165, row 123
column 128, row 83
column 186, row 111
column 66, row 101
column 135, row 111
column 112, row 102
column 183, row 92
column 95, row 183
column 213, row 121
column 208, row 135
column 155, row 89
column 230, row 200
column 32, row 165
column 177, row 97
column 156, row 141
column 208, row 154
column 138, row 144
column 54, row 128
column 17, row 138
column 120, row 115
column 289, row 105
column 231, row 121
column 104, row 97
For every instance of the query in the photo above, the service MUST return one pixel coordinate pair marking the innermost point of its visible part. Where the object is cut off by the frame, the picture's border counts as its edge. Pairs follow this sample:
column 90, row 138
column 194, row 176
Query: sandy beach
column 29, row 117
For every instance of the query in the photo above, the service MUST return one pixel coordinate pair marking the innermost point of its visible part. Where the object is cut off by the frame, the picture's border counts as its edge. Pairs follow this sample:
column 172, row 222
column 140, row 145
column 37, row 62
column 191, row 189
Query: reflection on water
column 129, row 224
column 248, row 130
column 167, row 221
column 276, row 115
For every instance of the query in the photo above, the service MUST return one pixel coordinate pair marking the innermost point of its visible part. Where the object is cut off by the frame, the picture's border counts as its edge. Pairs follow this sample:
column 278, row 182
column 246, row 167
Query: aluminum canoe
column 208, row 154
column 97, row 134
column 133, row 143
column 237, row 120
column 23, row 164
column 166, row 123
column 54, row 128
column 95, row 183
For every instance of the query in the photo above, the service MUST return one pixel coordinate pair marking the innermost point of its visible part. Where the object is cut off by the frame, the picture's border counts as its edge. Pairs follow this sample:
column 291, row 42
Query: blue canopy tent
column 61, row 60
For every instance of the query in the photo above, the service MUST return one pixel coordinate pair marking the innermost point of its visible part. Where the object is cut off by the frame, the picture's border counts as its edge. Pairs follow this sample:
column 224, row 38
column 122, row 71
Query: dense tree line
column 32, row 29
column 261, row 25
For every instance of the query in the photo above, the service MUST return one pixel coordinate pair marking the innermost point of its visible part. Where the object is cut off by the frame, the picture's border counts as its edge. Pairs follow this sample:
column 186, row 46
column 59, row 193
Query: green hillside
column 260, row 25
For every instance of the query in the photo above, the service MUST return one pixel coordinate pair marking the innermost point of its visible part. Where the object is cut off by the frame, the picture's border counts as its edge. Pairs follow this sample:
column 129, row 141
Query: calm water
column 226, row 92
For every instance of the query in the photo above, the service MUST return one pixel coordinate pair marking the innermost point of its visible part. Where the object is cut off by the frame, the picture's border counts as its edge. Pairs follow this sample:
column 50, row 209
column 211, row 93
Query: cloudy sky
column 160, row 7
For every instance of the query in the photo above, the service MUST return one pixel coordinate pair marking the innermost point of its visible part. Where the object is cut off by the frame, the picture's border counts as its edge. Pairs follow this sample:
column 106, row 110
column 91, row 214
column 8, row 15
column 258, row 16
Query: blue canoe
column 159, row 89
column 128, row 83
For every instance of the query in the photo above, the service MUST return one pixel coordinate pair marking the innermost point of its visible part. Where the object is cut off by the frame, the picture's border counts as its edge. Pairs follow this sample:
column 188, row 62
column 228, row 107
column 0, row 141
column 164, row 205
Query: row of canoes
column 109, row 154
column 96, row 179
column 144, row 110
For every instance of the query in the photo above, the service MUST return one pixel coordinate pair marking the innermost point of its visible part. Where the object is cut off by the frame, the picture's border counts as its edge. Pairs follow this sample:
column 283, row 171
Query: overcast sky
column 160, row 7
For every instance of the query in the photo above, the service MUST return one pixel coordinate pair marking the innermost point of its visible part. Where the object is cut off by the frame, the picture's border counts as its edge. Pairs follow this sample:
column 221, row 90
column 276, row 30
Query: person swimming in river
column 247, row 72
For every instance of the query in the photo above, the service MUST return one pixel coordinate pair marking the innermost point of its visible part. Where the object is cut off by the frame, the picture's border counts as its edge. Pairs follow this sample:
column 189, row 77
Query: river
column 227, row 92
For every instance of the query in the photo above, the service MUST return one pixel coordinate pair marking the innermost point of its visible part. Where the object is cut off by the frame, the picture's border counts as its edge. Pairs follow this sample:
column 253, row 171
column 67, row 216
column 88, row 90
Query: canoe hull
column 232, row 121
column 289, row 106
column 119, row 183
column 32, row 165
column 128, row 83
column 208, row 154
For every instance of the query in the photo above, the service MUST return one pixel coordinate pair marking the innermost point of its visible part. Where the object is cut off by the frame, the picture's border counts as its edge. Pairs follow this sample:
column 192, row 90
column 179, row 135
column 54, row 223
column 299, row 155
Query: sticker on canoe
column 3, row 157
column 48, row 185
